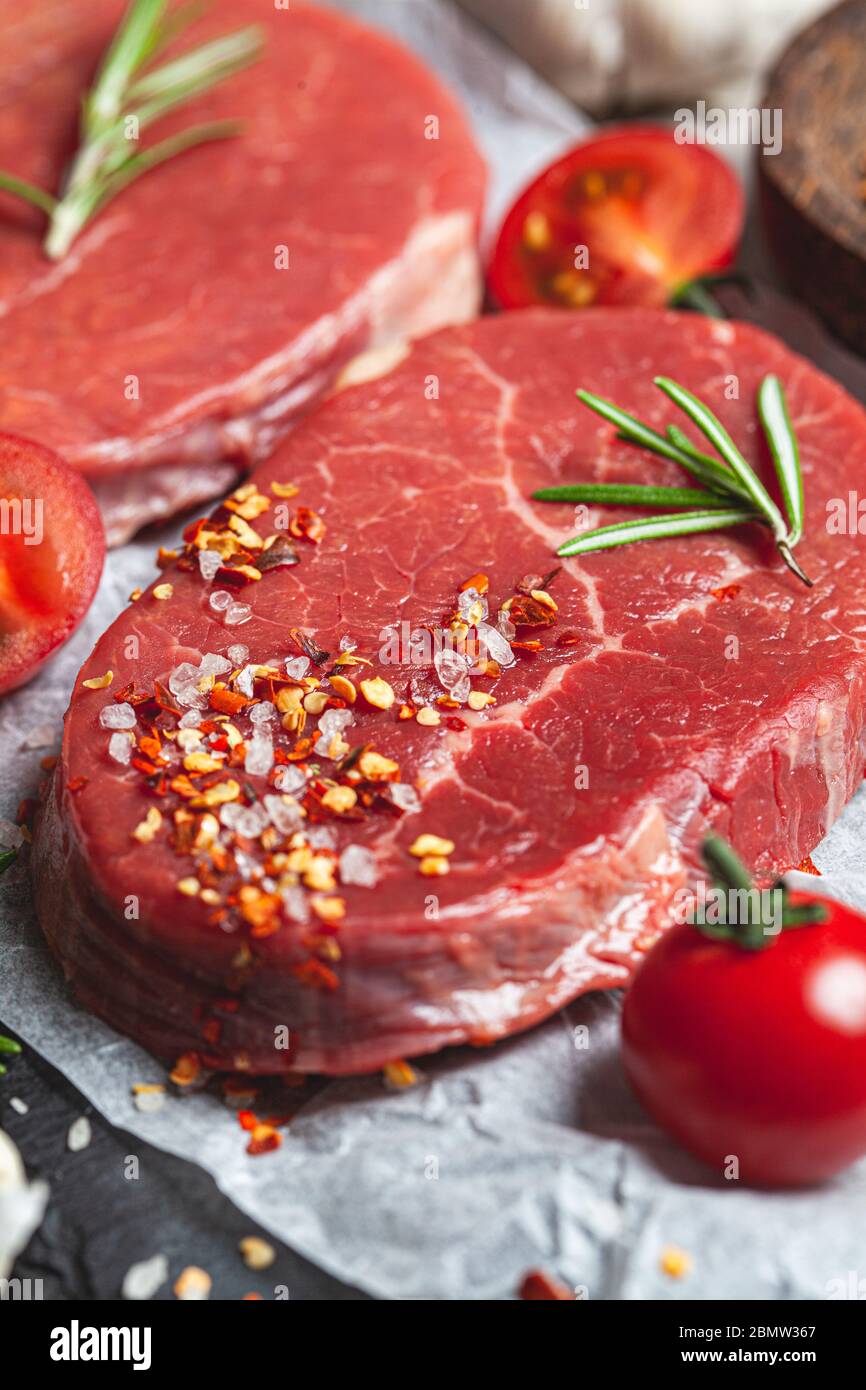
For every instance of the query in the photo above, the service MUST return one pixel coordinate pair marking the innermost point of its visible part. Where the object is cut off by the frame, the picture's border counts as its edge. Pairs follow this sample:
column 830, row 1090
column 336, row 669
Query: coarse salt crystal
column 245, row 680
column 214, row 665
column 237, row 654
column 262, row 713
column 334, row 721
column 285, row 815
column 251, row 822
column 220, row 600
column 358, row 866
column 183, row 675
column 404, row 796
column 259, row 755
column 290, row 779
column 120, row 747
column 321, row 837
column 450, row 667
column 497, row 646
column 297, row 667
column 142, row 1280
column 117, row 717
column 347, row 643
column 295, row 903
column 190, row 720
column 79, row 1135
column 209, row 562
column 238, row 613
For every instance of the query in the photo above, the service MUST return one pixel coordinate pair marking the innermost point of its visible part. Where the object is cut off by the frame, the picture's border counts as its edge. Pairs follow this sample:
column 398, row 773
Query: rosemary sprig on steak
column 730, row 492
column 127, row 96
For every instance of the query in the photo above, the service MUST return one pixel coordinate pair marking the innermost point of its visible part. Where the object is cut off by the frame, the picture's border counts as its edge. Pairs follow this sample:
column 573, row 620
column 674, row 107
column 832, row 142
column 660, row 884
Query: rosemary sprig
column 655, row 528
column 630, row 495
column 126, row 98
column 730, row 494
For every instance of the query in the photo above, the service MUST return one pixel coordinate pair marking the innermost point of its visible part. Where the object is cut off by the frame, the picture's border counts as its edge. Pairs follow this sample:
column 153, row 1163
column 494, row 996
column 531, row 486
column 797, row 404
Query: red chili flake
column 77, row 784
column 264, row 1140
column 251, row 1298
column 307, row 525
column 282, row 552
column 537, row 1286
column 181, row 785
column 317, row 975
column 533, row 646
column 148, row 768
column 190, row 532
column 807, row 867
column 234, row 1086
column 165, row 701
column 186, row 1069
column 310, row 648
column 212, row 1031
column 247, row 1120
column 228, row 1006
column 452, row 722
column 227, row 701
column 568, row 639
column 130, row 696
column 526, row 611
column 726, row 592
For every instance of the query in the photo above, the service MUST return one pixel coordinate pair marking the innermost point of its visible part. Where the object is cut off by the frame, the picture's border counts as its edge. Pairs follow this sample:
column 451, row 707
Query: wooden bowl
column 813, row 193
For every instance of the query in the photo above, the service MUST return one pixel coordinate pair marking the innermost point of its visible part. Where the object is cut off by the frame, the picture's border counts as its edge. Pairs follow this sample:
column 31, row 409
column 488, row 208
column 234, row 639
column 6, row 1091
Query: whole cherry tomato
column 628, row 217
column 754, row 1057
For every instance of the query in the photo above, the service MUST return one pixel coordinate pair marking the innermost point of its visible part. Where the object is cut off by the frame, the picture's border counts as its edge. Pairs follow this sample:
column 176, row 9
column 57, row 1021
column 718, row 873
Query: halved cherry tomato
column 52, row 548
column 755, row 1060
column 626, row 218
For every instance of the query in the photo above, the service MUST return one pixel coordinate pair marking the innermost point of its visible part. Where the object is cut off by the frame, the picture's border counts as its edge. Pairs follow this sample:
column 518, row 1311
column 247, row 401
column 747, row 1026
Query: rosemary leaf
column 655, row 528
column 196, row 71
column 718, row 436
column 631, row 495
column 773, row 410
column 705, row 469
column 134, row 42
column 709, row 425
column 149, row 158
column 29, row 192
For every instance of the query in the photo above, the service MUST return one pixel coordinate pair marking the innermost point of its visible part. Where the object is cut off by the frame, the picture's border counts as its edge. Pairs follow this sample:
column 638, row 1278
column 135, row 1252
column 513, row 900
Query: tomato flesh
column 626, row 218
column 52, row 548
column 756, row 1056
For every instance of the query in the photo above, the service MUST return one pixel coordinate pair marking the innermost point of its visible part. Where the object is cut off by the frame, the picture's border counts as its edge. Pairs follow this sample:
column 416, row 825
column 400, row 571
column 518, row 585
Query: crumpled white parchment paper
column 532, row 1153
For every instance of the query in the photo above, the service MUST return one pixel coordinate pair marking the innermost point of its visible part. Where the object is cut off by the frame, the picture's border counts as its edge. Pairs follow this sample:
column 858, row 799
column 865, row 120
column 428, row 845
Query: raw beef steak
column 200, row 904
column 168, row 350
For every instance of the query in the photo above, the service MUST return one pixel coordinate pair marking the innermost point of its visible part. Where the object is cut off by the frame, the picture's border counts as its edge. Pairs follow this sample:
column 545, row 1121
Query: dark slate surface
column 98, row 1222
